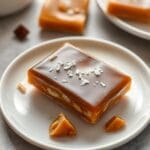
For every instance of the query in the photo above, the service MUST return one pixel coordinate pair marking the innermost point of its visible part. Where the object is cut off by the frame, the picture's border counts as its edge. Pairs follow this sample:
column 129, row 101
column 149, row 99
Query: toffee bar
column 79, row 82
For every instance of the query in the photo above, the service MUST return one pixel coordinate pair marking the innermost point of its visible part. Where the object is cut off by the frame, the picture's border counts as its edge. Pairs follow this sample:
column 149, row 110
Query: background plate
column 140, row 30
column 30, row 115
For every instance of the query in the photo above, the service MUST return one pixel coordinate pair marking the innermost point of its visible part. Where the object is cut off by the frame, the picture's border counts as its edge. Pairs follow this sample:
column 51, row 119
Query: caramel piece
column 114, row 124
column 62, row 127
column 79, row 82
column 135, row 10
column 21, row 88
column 21, row 32
column 64, row 15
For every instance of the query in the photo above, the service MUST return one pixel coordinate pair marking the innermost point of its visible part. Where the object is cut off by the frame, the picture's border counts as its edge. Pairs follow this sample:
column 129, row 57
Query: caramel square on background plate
column 64, row 15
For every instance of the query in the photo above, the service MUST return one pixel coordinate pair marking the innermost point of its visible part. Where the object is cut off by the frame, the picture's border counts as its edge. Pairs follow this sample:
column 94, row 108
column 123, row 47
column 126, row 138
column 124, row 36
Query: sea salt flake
column 53, row 57
column 64, row 81
column 73, row 63
column 101, row 71
column 92, row 71
column 58, row 67
column 61, row 63
column 97, row 72
column 70, row 73
column 87, row 73
column 96, row 82
column 50, row 69
column 80, row 76
column 102, row 84
column 84, row 82
column 77, row 72
column 67, row 66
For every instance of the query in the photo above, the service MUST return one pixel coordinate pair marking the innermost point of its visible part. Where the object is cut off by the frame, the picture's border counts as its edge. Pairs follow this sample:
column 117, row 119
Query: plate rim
column 34, row 48
column 123, row 25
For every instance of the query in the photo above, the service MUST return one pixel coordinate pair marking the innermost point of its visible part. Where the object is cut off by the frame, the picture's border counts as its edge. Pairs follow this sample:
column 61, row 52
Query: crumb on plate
column 21, row 88
column 116, row 123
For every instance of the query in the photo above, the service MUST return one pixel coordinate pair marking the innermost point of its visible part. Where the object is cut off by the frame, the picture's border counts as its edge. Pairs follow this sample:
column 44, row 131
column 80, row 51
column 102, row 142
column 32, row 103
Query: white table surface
column 98, row 27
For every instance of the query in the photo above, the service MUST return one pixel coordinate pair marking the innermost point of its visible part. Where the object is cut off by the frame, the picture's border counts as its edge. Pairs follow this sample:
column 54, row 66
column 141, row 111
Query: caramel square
column 64, row 15
column 79, row 82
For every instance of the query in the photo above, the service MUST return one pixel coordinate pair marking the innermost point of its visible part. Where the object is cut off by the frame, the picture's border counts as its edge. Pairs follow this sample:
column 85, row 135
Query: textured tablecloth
column 98, row 27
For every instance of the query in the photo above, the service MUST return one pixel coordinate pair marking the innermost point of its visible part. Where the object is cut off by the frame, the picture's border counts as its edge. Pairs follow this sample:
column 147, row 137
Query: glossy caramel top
column 88, row 78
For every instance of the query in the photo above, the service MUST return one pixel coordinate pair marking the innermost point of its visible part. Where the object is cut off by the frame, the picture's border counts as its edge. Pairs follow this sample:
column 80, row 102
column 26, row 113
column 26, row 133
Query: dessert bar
column 79, row 82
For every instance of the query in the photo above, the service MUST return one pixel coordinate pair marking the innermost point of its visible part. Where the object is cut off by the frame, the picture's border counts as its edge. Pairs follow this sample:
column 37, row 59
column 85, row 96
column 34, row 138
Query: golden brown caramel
column 64, row 15
column 61, row 127
column 138, row 10
column 114, row 124
column 79, row 82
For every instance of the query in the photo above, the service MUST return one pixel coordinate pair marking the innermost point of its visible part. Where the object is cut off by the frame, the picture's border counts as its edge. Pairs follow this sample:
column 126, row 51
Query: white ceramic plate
column 140, row 30
column 29, row 115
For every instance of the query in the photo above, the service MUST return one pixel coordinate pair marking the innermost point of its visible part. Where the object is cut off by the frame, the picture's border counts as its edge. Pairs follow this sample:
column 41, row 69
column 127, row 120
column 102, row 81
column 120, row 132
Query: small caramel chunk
column 21, row 88
column 21, row 32
column 114, row 124
column 61, row 127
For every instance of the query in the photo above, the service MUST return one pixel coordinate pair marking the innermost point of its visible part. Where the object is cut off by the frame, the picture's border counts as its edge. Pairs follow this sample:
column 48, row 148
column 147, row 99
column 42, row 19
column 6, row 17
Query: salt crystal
column 64, row 81
column 77, row 72
column 80, row 76
column 58, row 66
column 61, row 63
column 102, row 84
column 97, row 72
column 97, row 82
column 84, row 82
column 67, row 66
column 50, row 69
column 70, row 73
column 73, row 63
